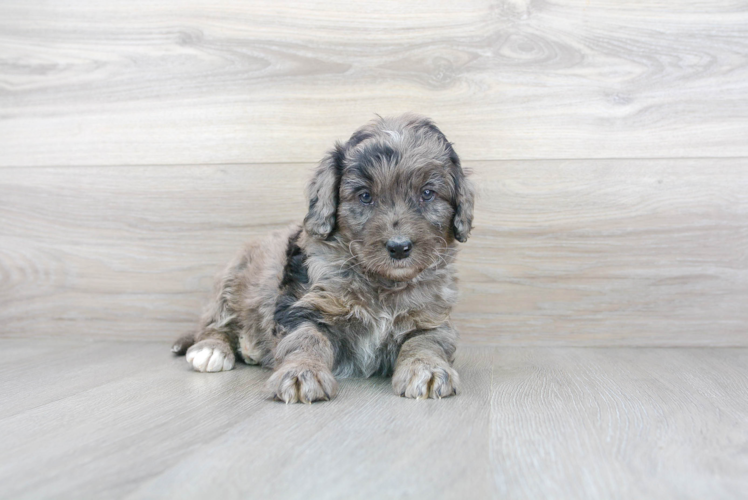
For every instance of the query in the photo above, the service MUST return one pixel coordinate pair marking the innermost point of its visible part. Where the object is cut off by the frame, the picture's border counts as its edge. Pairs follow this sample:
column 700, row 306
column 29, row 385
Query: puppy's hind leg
column 213, row 351
column 180, row 346
column 211, row 355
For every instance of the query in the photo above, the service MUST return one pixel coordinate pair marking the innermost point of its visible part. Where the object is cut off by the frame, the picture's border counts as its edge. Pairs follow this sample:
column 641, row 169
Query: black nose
column 399, row 248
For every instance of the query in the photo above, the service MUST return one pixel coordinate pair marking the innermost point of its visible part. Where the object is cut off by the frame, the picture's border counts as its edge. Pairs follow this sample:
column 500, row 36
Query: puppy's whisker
column 347, row 261
column 441, row 258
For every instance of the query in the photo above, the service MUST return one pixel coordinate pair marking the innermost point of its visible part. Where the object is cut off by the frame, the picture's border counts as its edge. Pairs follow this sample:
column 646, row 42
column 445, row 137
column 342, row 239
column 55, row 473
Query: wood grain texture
column 529, row 423
column 582, row 252
column 94, row 252
column 609, row 253
column 143, row 82
column 136, row 434
column 620, row 423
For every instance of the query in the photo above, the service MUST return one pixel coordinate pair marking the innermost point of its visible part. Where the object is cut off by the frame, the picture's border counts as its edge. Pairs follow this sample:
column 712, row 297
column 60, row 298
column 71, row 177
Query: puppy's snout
column 399, row 248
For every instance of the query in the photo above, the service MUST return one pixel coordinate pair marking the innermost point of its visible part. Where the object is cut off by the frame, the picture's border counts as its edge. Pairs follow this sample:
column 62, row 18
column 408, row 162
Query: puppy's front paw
column 210, row 356
column 302, row 382
column 421, row 379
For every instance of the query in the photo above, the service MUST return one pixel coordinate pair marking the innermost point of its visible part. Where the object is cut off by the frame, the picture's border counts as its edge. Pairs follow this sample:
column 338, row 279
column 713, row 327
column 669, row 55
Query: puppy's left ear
column 463, row 200
column 323, row 194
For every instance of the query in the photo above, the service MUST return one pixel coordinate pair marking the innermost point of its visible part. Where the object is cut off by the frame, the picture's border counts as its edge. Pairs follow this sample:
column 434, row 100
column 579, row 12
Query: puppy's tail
column 183, row 343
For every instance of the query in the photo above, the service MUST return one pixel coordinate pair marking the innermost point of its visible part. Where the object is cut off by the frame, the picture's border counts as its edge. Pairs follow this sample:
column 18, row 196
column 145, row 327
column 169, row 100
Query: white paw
column 210, row 356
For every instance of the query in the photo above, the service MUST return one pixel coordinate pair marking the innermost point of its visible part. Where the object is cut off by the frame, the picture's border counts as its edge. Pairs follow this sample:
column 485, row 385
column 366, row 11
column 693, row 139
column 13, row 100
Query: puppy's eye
column 427, row 195
column 365, row 198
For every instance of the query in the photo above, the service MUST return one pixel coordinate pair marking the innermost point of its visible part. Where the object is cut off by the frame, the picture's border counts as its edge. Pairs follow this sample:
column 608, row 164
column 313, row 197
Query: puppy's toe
column 302, row 383
column 419, row 379
column 210, row 356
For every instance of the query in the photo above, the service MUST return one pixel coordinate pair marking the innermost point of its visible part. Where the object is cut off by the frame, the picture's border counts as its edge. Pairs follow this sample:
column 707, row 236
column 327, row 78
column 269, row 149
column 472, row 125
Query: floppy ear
column 463, row 201
column 323, row 194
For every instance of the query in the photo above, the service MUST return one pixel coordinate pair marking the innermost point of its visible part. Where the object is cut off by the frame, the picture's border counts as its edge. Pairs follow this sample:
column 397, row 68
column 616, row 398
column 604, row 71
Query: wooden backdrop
column 142, row 141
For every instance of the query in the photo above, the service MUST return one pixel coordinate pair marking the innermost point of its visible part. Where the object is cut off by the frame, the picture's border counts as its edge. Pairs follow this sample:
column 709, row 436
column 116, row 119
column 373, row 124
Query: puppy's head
column 395, row 193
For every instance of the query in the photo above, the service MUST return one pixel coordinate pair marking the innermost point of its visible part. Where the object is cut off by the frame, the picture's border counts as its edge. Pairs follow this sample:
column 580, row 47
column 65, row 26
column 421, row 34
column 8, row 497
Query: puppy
column 365, row 286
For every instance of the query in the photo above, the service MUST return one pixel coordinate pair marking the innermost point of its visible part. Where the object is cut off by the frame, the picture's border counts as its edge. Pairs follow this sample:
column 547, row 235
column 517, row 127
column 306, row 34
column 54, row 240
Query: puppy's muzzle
column 399, row 247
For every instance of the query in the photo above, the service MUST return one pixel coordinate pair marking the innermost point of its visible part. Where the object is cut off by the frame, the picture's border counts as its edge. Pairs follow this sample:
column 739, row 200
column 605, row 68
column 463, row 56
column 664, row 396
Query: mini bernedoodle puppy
column 365, row 286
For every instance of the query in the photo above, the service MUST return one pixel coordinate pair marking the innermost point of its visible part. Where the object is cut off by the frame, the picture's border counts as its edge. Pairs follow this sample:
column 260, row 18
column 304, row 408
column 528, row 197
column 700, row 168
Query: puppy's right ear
column 323, row 194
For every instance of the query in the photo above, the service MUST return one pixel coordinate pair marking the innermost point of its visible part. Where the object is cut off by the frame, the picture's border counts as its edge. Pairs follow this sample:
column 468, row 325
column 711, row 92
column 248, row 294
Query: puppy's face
column 395, row 205
column 398, row 197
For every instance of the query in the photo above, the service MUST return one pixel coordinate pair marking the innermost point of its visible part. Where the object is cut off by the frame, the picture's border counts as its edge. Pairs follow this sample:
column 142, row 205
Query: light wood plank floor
column 126, row 419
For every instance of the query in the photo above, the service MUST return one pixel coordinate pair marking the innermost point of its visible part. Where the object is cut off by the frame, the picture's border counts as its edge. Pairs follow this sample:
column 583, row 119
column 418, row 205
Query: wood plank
column 608, row 253
column 371, row 444
column 549, row 422
column 32, row 382
column 96, row 252
column 145, row 82
column 138, row 435
column 104, row 440
column 620, row 423
column 583, row 252
column 22, row 351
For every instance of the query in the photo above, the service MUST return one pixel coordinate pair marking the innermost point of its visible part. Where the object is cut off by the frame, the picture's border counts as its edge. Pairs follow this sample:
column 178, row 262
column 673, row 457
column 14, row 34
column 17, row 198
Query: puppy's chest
column 381, row 321
column 370, row 328
column 380, row 325
column 372, row 338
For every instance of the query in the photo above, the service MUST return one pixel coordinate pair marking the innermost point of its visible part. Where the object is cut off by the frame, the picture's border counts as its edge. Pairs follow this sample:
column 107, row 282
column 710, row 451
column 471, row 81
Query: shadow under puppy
column 365, row 286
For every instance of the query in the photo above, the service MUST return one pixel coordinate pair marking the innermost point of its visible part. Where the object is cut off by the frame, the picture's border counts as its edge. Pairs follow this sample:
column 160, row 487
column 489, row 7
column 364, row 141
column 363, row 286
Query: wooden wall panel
column 609, row 252
column 613, row 252
column 172, row 82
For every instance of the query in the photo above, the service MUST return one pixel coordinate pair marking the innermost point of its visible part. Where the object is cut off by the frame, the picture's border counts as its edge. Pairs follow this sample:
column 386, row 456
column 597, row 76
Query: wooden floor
column 127, row 420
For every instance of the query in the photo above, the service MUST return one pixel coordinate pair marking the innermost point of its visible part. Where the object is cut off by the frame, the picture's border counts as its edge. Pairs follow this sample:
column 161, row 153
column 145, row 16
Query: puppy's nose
column 399, row 248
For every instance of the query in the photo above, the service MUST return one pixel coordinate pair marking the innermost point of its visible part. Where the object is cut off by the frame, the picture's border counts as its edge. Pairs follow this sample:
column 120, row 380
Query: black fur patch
column 313, row 202
column 429, row 125
column 362, row 172
column 357, row 138
column 372, row 154
column 295, row 271
column 453, row 155
column 338, row 156
column 287, row 315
